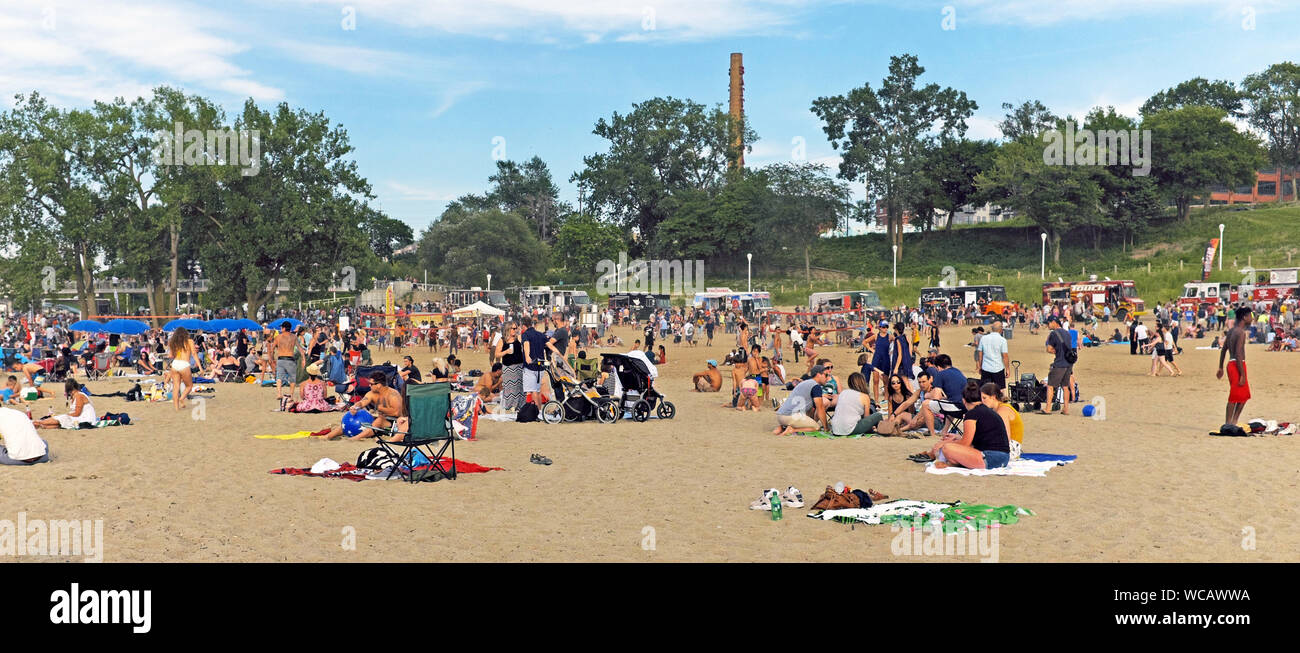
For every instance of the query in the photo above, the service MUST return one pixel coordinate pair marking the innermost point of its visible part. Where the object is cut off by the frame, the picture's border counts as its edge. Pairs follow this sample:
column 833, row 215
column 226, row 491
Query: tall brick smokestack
column 737, row 109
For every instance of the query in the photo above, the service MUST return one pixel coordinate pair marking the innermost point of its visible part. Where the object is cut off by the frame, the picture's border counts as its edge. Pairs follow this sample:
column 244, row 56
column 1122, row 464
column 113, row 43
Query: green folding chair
column 428, row 405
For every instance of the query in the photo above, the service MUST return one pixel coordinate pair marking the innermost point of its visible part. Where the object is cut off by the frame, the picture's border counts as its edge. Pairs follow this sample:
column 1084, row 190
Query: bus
column 1121, row 296
column 990, row 299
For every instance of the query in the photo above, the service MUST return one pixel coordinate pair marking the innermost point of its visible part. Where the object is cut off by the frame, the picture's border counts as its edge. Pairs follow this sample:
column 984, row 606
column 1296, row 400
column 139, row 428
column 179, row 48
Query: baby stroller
column 1027, row 393
column 576, row 401
column 638, row 397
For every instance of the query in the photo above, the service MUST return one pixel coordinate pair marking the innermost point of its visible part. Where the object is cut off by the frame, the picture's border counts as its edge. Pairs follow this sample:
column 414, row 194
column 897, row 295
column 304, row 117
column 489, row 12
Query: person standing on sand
column 286, row 370
column 1238, row 387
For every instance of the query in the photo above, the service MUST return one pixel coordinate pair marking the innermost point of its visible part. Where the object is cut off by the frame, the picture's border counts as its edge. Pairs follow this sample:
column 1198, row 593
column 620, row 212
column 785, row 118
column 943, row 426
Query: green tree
column 50, row 187
column 1057, row 198
column 806, row 202
column 584, row 240
column 1030, row 118
column 385, row 235
column 1273, row 107
column 527, row 189
column 465, row 246
column 884, row 134
column 297, row 219
column 662, row 147
column 1195, row 147
column 1197, row 92
column 949, row 171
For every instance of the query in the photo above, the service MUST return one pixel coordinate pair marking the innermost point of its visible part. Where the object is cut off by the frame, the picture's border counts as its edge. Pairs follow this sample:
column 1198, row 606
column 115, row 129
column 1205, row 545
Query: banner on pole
column 1209, row 259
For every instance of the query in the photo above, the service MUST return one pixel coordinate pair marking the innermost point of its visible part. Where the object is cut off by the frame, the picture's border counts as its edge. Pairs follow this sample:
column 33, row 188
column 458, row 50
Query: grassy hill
column 1008, row 254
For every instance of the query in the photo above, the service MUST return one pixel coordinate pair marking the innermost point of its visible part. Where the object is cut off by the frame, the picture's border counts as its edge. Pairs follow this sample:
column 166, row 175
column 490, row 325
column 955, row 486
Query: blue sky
column 424, row 86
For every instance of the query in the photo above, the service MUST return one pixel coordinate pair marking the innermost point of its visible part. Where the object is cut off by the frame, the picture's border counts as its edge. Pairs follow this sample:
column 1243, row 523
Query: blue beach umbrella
column 125, row 327
column 89, row 326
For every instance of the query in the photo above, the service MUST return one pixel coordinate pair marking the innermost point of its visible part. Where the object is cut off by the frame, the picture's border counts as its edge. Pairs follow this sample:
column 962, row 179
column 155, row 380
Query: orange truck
column 1121, row 296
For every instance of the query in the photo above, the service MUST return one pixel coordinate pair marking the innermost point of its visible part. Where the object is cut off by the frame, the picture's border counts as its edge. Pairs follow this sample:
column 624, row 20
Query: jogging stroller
column 576, row 401
column 638, row 396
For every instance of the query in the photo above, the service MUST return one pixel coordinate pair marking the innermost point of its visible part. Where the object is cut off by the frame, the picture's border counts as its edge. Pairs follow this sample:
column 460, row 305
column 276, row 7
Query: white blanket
column 872, row 515
column 1014, row 468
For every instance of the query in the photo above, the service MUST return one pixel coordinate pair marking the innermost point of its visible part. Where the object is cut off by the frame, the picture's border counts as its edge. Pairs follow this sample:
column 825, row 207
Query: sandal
column 876, row 497
column 919, row 458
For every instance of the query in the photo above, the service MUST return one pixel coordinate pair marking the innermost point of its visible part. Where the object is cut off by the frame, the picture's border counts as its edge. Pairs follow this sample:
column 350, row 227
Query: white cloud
column 581, row 21
column 452, row 94
column 983, row 128
column 419, row 193
column 84, row 51
column 1040, row 13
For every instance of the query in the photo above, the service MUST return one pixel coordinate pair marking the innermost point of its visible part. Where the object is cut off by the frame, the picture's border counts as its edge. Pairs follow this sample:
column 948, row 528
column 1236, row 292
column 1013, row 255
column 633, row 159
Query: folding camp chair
column 955, row 413
column 99, row 365
column 428, row 407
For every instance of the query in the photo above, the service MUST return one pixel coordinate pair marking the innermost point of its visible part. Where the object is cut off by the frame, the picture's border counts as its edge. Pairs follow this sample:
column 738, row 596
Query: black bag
column 135, row 393
column 375, row 458
column 527, row 413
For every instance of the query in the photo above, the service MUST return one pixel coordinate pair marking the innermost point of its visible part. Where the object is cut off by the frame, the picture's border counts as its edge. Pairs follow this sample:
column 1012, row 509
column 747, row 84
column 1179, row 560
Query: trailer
column 1120, row 295
column 989, row 299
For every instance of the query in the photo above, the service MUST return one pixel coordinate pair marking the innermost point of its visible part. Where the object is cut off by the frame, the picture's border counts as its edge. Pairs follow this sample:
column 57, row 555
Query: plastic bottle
column 776, row 506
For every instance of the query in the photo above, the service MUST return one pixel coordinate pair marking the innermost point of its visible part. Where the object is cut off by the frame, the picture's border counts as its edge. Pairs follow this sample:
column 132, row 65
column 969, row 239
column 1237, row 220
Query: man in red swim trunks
column 1235, row 342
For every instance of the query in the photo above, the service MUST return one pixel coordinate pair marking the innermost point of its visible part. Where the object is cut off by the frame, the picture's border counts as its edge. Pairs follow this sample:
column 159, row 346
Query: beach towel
column 827, row 435
column 464, row 415
column 286, row 436
column 1048, row 457
column 353, row 473
column 955, row 516
column 895, row 509
column 1022, row 467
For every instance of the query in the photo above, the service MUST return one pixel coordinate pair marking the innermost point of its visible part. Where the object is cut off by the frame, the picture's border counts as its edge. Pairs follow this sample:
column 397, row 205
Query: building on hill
column 1271, row 185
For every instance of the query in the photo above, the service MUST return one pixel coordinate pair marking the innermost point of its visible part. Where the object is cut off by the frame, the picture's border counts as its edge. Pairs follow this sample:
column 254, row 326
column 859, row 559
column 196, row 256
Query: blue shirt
column 953, row 383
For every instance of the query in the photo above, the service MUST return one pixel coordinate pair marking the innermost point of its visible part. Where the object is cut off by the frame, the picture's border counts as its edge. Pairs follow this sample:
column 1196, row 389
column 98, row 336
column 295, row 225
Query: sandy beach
column 1149, row 483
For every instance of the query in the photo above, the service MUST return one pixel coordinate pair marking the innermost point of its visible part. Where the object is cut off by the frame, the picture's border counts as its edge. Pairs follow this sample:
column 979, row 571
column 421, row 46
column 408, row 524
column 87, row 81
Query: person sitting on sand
column 855, row 413
column 387, row 401
column 805, row 408
column 313, row 393
column 355, row 424
column 983, row 444
column 710, row 380
column 80, row 410
column 905, row 415
column 19, row 442
column 490, row 382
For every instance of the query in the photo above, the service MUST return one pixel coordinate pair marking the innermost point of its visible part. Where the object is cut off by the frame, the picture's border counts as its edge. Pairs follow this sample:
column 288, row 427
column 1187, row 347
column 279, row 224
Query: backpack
column 527, row 413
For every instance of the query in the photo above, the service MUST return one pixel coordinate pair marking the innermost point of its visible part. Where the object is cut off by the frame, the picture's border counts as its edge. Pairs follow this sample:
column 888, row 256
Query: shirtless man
column 386, row 400
column 1238, row 387
column 29, row 370
column 491, row 382
column 711, row 376
column 286, row 370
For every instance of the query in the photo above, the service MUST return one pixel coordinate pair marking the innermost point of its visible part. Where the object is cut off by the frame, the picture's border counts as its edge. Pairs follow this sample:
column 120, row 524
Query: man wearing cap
column 710, row 380
column 1058, row 378
column 805, row 408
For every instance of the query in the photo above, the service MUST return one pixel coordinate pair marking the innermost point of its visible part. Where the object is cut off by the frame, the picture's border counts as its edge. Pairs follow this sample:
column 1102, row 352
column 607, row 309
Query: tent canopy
column 478, row 308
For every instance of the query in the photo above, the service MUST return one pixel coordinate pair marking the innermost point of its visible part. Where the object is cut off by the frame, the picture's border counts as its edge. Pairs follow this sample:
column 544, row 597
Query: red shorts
column 1237, row 394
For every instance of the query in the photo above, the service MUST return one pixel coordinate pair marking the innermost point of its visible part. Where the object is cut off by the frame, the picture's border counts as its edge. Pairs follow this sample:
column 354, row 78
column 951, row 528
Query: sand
column 1149, row 484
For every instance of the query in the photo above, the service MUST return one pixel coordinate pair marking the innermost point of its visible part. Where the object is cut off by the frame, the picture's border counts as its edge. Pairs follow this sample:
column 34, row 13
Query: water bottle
column 776, row 507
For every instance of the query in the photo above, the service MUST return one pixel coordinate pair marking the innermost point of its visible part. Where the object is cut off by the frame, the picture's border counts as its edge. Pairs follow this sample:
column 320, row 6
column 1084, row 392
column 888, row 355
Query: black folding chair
column 428, row 409
column 954, row 413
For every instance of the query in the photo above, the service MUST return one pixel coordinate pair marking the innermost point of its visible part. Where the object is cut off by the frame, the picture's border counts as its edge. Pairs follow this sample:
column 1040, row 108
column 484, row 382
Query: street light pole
column 895, row 248
column 489, row 283
column 749, row 274
column 1042, row 269
column 1220, row 247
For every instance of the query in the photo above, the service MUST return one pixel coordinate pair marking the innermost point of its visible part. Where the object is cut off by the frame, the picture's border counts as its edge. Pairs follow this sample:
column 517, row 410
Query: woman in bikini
column 182, row 351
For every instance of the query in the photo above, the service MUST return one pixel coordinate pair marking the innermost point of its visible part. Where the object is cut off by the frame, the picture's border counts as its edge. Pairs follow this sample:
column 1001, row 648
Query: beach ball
column 1088, row 410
